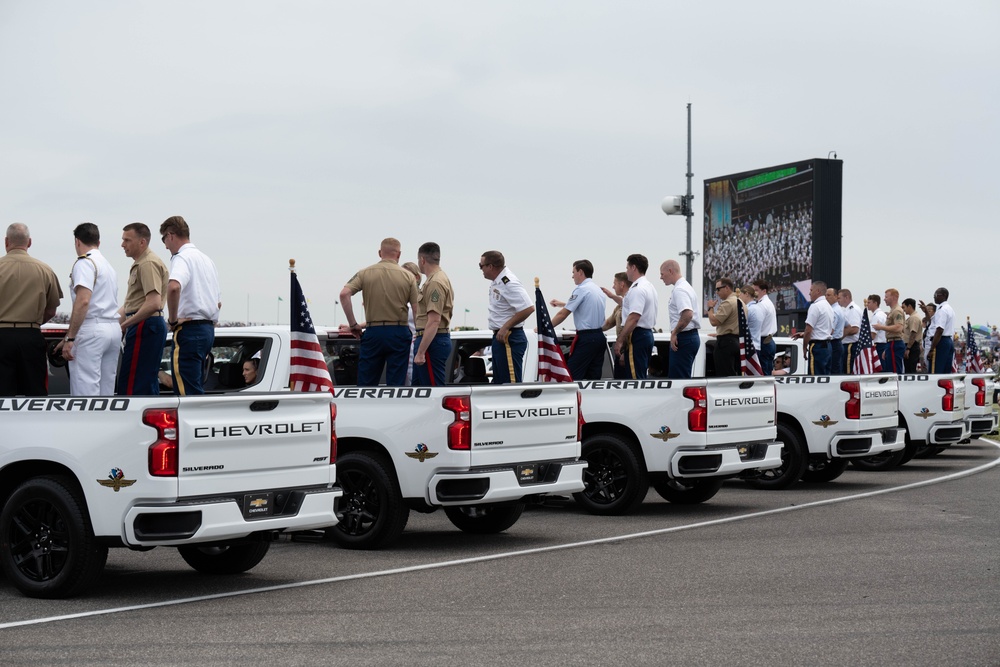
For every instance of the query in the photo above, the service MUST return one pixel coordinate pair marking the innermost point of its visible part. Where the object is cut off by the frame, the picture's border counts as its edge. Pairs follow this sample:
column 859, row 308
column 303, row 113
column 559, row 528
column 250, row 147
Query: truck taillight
column 163, row 452
column 852, row 408
column 980, row 390
column 333, row 433
column 460, row 430
column 948, row 400
column 580, row 421
column 698, row 414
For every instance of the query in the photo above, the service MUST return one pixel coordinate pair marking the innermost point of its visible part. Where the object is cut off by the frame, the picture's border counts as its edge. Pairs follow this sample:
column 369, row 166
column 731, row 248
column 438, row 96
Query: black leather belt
column 588, row 331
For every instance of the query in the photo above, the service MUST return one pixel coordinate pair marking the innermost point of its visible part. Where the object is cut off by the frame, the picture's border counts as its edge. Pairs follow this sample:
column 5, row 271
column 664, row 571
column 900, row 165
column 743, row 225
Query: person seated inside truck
column 250, row 367
column 780, row 361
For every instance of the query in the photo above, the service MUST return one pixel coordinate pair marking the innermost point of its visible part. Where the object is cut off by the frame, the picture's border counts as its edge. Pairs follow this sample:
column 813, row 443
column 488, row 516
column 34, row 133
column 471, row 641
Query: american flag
column 307, row 369
column 749, row 361
column 866, row 361
column 551, row 362
column 973, row 364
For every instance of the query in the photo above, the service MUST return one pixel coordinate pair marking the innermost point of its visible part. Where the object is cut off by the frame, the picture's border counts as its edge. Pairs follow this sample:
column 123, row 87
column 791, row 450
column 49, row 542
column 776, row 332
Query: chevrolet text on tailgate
column 215, row 476
column 682, row 437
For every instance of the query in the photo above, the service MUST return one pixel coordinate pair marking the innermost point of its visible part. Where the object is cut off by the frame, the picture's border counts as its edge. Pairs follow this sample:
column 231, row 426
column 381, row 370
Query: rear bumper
column 868, row 443
column 982, row 425
column 221, row 519
column 947, row 433
column 725, row 461
column 497, row 484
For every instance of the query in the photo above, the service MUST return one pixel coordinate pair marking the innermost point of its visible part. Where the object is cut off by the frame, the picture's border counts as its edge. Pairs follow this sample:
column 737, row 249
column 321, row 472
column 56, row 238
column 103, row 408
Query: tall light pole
column 681, row 205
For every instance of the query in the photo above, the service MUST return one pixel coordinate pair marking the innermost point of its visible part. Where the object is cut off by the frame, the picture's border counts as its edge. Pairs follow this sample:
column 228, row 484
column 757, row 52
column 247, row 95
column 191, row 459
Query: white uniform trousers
column 96, row 350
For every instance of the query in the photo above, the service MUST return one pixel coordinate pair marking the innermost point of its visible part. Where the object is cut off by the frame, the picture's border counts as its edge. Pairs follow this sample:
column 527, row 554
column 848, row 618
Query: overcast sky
column 548, row 131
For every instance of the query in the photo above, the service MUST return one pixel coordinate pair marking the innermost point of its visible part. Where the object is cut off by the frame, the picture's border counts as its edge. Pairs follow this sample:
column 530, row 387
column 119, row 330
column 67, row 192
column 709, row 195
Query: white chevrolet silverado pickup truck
column 683, row 437
column 478, row 452
column 930, row 410
column 826, row 421
column 215, row 476
column 979, row 413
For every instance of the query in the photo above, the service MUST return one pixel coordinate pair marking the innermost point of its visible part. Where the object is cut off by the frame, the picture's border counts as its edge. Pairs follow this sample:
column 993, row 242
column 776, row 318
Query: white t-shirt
column 641, row 298
column 507, row 297
column 199, row 281
column 95, row 273
column 684, row 298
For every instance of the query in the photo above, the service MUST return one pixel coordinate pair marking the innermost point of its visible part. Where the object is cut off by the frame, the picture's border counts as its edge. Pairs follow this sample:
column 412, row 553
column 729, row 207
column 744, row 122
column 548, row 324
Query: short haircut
column 893, row 291
column 175, row 225
column 585, row 266
column 876, row 298
column 846, row 292
column 87, row 233
column 944, row 290
column 390, row 244
column 639, row 262
column 820, row 284
column 141, row 230
column 726, row 282
column 431, row 252
column 762, row 284
column 18, row 234
column 622, row 277
column 910, row 302
column 494, row 258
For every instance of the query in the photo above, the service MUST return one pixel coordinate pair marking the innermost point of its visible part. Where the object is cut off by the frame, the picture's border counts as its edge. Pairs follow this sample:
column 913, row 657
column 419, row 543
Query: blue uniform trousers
column 640, row 347
column 766, row 356
column 384, row 348
column 836, row 357
column 586, row 356
column 850, row 352
column 819, row 357
column 508, row 358
column 140, row 364
column 431, row 373
column 942, row 356
column 682, row 359
column 880, row 351
column 192, row 345
column 892, row 360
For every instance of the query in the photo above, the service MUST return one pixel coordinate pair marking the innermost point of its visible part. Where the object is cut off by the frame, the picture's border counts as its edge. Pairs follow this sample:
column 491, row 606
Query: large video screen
column 781, row 224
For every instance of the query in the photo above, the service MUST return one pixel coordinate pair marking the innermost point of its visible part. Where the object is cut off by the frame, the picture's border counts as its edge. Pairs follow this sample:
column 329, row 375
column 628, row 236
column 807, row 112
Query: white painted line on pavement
column 511, row 554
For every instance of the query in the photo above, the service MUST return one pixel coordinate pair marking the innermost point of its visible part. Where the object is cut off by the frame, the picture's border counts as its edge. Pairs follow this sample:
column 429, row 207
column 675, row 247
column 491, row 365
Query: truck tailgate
column 243, row 442
column 526, row 422
column 740, row 407
column 879, row 400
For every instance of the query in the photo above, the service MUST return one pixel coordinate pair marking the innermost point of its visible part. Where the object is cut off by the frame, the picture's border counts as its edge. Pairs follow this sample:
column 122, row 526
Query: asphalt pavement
column 865, row 570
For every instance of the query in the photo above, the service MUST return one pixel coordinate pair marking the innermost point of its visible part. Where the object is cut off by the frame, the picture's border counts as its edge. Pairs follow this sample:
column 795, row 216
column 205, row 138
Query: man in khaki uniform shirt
column 432, row 346
column 723, row 316
column 913, row 335
column 385, row 343
column 892, row 360
column 29, row 296
column 142, row 315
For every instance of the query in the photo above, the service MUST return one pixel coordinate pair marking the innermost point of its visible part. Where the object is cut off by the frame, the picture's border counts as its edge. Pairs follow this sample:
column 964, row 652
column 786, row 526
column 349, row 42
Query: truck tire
column 688, row 491
column 47, row 544
column 883, row 461
column 794, row 459
column 484, row 519
column 825, row 470
column 614, row 480
column 371, row 513
column 224, row 559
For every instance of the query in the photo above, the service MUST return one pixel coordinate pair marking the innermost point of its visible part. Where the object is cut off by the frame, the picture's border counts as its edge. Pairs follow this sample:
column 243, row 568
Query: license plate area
column 258, row 505
column 527, row 474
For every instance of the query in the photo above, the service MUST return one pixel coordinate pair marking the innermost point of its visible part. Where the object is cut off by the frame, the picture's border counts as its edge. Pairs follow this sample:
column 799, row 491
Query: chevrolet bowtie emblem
column 258, row 502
